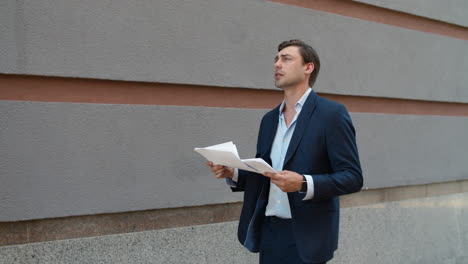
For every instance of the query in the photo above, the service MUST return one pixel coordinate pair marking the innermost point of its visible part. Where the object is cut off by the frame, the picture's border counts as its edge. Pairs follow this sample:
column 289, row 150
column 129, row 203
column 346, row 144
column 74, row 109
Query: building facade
column 102, row 103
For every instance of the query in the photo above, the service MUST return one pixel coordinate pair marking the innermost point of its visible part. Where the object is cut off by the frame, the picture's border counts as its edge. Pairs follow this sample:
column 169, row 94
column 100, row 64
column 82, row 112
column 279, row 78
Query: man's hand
column 287, row 181
column 220, row 171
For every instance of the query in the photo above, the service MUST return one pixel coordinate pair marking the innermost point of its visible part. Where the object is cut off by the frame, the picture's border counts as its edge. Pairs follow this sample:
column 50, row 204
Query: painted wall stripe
column 382, row 15
column 74, row 90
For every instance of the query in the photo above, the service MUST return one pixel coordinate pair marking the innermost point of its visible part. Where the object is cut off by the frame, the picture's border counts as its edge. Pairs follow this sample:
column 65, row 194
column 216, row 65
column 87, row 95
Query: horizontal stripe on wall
column 23, row 232
column 78, row 90
column 233, row 48
column 382, row 15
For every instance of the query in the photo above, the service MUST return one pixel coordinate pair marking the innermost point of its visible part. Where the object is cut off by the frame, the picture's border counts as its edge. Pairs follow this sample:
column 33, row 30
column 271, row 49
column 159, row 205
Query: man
column 292, row 216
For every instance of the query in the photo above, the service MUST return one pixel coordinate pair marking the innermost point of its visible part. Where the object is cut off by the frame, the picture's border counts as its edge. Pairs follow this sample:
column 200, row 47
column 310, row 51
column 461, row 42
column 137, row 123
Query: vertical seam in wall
column 459, row 231
column 27, row 232
column 20, row 36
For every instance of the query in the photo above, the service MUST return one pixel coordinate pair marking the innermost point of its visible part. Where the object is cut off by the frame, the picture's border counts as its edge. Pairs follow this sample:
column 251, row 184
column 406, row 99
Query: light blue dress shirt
column 278, row 204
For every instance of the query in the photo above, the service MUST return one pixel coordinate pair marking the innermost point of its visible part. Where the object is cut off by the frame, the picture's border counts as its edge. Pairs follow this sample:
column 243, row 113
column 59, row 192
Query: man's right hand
column 220, row 171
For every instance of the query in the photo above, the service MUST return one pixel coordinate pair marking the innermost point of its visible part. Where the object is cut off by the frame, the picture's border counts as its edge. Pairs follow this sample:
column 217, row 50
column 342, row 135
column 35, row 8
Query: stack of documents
column 226, row 154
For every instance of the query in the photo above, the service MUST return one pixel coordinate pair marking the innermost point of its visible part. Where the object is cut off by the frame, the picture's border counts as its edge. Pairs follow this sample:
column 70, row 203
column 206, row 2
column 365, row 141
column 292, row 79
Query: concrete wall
column 364, row 239
column 62, row 159
column 131, row 164
column 233, row 46
column 452, row 11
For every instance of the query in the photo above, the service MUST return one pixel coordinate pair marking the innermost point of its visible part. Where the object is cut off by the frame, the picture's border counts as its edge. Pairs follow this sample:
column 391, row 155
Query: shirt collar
column 299, row 103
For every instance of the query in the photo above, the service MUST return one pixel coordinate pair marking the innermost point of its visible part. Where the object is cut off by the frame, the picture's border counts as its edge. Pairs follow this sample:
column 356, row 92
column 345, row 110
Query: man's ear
column 309, row 68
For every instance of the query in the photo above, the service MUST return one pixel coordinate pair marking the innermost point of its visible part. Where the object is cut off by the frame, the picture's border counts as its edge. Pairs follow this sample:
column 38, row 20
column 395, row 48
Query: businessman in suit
column 293, row 216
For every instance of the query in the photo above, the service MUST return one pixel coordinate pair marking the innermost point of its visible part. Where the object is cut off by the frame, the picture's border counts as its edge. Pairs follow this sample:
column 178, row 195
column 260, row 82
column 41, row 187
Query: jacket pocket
column 317, row 206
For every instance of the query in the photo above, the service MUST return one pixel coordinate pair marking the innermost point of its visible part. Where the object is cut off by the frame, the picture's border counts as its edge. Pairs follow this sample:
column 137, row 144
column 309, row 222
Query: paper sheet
column 226, row 154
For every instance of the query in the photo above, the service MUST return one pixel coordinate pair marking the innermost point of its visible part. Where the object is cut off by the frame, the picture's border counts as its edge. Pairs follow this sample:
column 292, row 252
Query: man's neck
column 292, row 96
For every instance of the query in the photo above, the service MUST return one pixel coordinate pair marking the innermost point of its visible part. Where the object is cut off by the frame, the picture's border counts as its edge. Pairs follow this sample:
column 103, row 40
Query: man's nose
column 277, row 65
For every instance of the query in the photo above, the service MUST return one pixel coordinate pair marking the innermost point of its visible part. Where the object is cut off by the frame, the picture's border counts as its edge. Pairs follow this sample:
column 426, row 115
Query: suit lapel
column 270, row 132
column 302, row 122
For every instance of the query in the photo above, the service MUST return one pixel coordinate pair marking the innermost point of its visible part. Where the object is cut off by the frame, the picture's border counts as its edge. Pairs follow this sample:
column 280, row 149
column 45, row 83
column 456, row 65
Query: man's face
column 289, row 68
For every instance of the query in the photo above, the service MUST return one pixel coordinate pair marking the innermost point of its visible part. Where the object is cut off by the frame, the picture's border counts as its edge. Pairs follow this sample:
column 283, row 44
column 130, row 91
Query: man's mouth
column 278, row 75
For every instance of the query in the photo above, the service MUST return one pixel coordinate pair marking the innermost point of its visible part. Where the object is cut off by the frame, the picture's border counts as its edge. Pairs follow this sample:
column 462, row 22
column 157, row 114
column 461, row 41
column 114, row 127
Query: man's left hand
column 287, row 181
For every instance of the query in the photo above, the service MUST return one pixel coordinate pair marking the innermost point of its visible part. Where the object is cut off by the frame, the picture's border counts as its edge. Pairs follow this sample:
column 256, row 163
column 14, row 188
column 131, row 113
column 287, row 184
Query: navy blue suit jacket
column 323, row 145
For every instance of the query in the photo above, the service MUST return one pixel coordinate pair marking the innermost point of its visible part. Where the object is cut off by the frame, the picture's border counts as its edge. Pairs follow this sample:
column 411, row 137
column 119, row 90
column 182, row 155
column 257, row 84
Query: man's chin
column 279, row 85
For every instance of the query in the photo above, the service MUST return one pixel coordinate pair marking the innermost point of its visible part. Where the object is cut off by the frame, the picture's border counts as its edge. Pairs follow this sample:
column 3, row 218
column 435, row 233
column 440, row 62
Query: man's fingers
column 216, row 167
column 219, row 174
column 219, row 170
column 278, row 183
column 272, row 175
column 281, row 184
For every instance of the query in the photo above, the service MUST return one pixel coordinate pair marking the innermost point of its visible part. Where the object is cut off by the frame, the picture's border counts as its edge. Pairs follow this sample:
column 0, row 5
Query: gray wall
column 451, row 11
column 424, row 231
column 61, row 159
column 226, row 43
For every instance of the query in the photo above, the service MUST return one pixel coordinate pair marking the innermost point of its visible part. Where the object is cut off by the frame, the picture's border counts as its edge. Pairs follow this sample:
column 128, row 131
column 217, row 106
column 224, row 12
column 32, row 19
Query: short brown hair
column 308, row 55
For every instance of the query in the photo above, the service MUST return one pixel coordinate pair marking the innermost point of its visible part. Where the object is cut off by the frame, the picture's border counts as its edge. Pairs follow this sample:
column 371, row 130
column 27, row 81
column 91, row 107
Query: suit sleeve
column 241, row 181
column 345, row 176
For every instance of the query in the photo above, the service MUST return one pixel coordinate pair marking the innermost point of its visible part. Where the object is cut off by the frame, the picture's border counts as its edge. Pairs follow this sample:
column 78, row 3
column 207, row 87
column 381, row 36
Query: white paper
column 221, row 157
column 226, row 154
column 228, row 146
column 260, row 165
